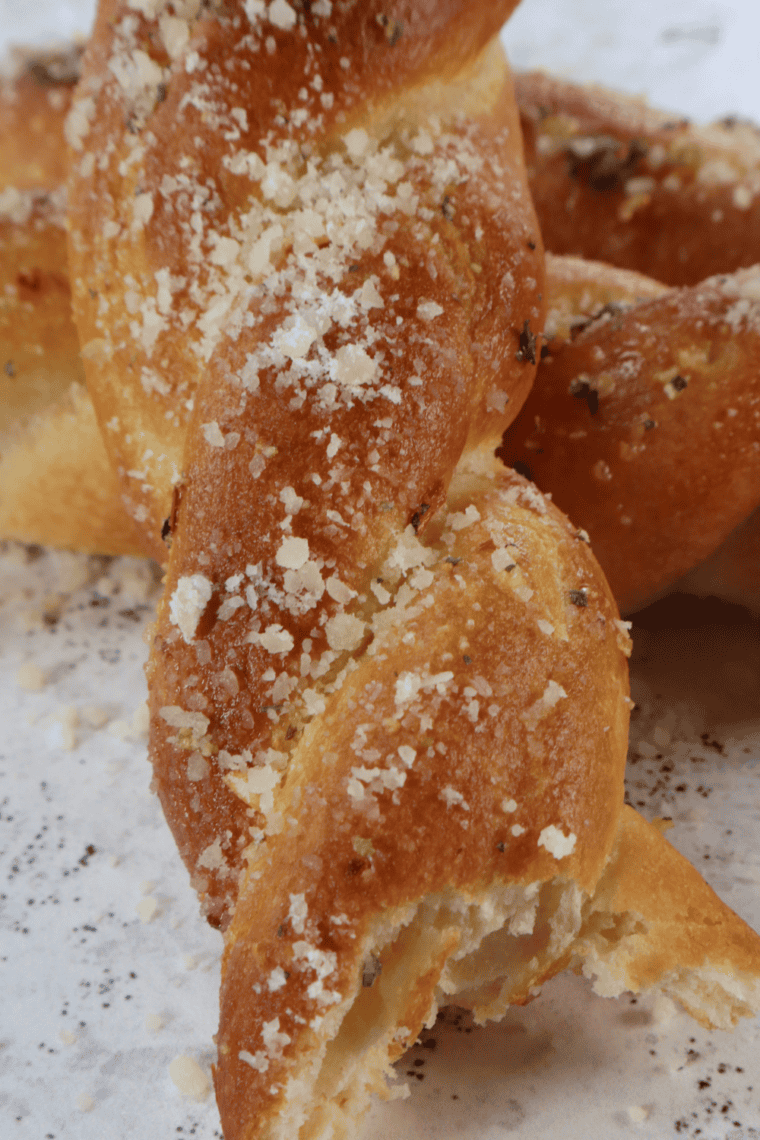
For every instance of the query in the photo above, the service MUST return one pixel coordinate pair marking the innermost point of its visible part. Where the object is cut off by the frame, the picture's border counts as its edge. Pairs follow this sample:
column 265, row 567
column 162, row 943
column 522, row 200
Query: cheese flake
column 293, row 553
column 344, row 632
column 282, row 15
column 556, row 842
column 188, row 602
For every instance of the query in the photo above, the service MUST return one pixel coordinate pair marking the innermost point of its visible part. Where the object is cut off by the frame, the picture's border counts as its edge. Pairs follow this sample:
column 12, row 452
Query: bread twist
column 617, row 180
column 645, row 417
column 388, row 681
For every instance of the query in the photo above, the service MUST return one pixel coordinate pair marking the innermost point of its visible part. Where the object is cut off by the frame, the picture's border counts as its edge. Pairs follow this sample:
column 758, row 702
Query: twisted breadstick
column 388, row 682
column 56, row 485
column 618, row 181
column 181, row 224
column 645, row 418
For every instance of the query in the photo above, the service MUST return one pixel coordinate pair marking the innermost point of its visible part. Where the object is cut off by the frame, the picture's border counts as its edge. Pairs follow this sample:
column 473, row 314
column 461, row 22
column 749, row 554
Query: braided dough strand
column 644, row 423
column 330, row 418
column 232, row 117
column 388, row 680
column 473, row 756
column 619, row 181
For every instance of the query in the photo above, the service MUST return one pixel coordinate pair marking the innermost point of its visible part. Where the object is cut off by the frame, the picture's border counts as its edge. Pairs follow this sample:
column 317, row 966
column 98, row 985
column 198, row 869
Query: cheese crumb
column 451, row 796
column 556, row 842
column 68, row 718
column 357, row 141
column 344, row 632
column 258, row 1061
column 293, row 553
column 275, row 639
column 147, row 909
column 277, row 979
column 461, row 519
column 334, row 445
column 212, row 434
column 190, row 598
column 295, row 342
column 339, row 591
column 298, row 913
column 353, row 367
column 501, row 559
column 282, row 15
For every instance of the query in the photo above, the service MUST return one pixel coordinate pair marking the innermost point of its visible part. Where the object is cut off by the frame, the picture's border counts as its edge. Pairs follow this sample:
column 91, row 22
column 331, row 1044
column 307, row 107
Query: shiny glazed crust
column 179, row 225
column 645, row 423
column 607, row 172
column 485, row 717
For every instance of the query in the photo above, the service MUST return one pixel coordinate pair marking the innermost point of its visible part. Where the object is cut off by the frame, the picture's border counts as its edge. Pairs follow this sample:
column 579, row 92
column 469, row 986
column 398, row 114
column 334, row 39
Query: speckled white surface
column 96, row 1002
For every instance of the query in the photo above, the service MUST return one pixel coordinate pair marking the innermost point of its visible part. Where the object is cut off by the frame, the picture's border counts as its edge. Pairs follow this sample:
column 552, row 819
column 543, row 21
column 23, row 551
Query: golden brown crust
column 155, row 275
column 56, row 485
column 607, row 172
column 491, row 714
column 733, row 571
column 667, row 930
column 645, row 429
column 578, row 289
column 39, row 349
column 418, row 300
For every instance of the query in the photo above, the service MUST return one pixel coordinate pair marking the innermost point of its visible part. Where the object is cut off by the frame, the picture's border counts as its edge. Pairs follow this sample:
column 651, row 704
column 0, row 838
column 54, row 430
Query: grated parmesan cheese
column 188, row 602
column 556, row 842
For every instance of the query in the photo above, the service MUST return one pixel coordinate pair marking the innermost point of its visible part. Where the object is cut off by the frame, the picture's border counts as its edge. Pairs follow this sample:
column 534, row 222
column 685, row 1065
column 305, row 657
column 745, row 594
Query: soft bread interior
column 488, row 951
column 448, row 947
column 655, row 925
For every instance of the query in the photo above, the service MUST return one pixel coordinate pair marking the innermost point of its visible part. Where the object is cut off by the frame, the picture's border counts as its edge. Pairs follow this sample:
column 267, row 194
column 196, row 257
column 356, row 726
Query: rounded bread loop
column 644, row 422
column 608, row 172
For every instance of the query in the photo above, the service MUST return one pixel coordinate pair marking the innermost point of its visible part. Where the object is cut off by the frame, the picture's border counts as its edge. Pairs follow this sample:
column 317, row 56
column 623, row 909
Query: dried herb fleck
column 579, row 597
column 526, row 353
column 419, row 515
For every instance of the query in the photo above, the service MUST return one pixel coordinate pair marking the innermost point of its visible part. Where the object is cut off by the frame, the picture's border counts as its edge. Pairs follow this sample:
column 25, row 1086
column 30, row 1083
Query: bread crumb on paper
column 30, row 677
column 189, row 1078
column 147, row 909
